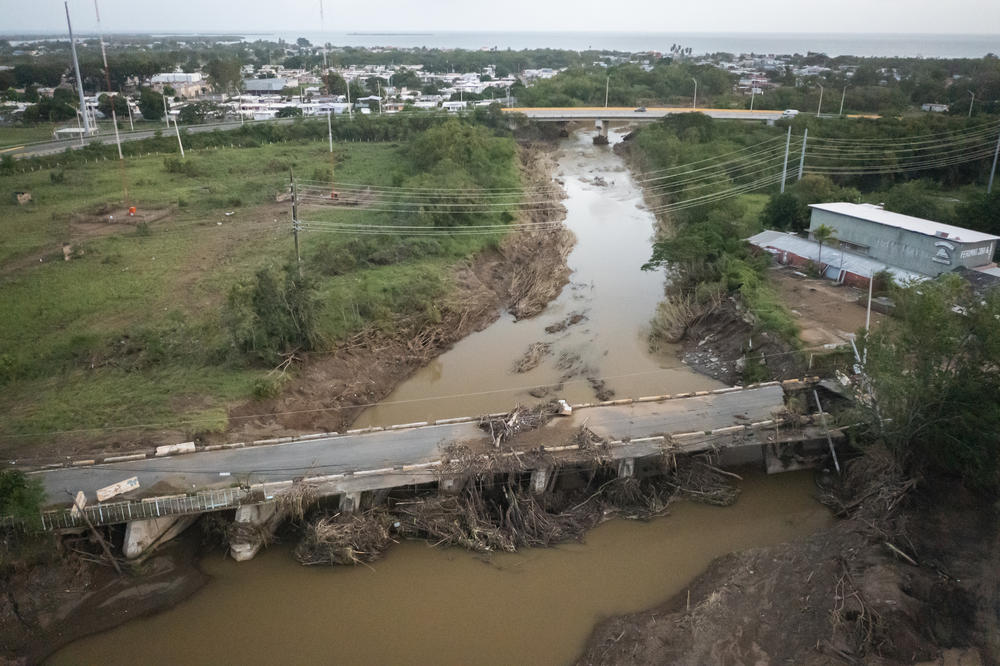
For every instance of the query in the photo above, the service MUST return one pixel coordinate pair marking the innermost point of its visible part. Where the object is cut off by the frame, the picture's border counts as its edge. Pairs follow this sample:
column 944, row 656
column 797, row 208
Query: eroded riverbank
column 426, row 605
column 591, row 342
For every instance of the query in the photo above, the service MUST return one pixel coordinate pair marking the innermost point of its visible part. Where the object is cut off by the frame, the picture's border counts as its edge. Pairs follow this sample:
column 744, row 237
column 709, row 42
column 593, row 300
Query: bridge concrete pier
column 452, row 485
column 626, row 468
column 602, row 132
column 142, row 536
column 541, row 480
column 253, row 524
column 350, row 502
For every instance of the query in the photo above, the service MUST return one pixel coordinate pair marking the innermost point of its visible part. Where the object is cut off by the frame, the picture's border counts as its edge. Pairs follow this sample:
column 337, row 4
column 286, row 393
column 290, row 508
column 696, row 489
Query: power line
column 452, row 396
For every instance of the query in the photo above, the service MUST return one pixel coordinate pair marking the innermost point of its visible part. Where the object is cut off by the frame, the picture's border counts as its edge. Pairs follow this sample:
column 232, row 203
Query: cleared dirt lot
column 827, row 313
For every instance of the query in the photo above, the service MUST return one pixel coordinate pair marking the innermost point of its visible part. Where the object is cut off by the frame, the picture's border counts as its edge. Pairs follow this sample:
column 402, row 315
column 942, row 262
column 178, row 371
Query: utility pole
column 322, row 31
column 973, row 101
column 295, row 220
column 107, row 79
column 819, row 107
column 843, row 96
column 993, row 169
column 166, row 112
column 350, row 111
column 753, row 92
column 329, row 129
column 784, row 169
column 76, row 68
column 694, row 102
column 378, row 84
column 607, row 87
column 178, row 131
column 131, row 125
column 79, row 127
column 802, row 157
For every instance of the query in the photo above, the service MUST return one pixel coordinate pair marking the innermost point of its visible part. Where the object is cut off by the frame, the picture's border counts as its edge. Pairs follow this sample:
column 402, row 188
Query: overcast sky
column 671, row 16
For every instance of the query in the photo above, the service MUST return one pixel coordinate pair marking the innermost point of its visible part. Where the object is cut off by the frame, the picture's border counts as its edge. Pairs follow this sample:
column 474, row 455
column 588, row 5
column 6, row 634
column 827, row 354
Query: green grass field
column 129, row 331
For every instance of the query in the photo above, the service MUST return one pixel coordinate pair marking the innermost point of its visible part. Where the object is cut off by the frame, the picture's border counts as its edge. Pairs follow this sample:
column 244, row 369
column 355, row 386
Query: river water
column 421, row 605
column 613, row 233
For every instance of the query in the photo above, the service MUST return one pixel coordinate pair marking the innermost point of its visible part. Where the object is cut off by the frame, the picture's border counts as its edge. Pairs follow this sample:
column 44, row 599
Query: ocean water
column 833, row 44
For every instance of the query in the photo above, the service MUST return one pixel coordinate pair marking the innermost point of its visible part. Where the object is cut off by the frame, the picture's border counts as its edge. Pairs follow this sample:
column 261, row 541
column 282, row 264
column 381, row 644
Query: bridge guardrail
column 155, row 507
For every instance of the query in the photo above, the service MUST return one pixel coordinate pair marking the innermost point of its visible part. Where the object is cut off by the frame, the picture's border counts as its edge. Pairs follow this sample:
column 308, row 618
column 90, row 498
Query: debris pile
column 521, row 419
column 339, row 539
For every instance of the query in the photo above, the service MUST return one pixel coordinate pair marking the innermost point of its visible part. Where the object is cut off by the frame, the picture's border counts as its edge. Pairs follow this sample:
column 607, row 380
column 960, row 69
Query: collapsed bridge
column 178, row 483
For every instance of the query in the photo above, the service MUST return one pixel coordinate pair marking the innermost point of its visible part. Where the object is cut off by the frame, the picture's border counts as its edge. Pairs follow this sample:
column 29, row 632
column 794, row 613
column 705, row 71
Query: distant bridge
column 569, row 113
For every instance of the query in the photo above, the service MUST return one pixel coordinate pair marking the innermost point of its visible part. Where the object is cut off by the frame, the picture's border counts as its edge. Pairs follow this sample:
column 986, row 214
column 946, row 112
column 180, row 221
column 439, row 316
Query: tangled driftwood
column 521, row 419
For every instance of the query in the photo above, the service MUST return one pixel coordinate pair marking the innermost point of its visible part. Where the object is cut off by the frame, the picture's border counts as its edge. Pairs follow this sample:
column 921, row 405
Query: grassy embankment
column 704, row 244
column 130, row 331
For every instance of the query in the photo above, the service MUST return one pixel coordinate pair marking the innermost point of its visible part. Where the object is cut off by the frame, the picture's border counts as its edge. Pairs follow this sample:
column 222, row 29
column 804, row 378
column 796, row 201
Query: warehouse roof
column 878, row 215
column 779, row 241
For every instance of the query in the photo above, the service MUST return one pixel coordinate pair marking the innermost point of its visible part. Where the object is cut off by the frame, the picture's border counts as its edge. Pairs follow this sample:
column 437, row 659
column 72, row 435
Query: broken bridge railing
column 110, row 513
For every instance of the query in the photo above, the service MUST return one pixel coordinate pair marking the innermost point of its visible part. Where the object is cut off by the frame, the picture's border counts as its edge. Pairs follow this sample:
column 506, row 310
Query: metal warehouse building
column 911, row 243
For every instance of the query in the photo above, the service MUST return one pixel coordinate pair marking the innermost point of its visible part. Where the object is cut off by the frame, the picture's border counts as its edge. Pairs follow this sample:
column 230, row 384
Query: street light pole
column 819, row 107
column 843, row 96
column 753, row 91
column 607, row 87
column 694, row 102
column 973, row 101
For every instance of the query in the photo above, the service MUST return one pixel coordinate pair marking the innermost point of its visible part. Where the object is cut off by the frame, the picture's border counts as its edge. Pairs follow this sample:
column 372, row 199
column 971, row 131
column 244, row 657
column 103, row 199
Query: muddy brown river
column 422, row 605
column 613, row 239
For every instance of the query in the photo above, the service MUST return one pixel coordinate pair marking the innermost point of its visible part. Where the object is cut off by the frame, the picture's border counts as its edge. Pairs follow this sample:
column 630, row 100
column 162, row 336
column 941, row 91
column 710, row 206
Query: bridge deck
column 404, row 447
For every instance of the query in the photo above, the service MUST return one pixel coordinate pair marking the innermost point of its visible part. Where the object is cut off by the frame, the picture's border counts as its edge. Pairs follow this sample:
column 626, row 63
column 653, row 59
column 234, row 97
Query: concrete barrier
column 174, row 449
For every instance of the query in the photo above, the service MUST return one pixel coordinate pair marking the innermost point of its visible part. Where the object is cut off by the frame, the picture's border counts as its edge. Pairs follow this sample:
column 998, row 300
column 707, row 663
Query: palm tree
column 822, row 234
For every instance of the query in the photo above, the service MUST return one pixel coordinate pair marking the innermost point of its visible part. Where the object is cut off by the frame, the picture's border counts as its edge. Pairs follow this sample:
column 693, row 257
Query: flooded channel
column 615, row 298
column 421, row 605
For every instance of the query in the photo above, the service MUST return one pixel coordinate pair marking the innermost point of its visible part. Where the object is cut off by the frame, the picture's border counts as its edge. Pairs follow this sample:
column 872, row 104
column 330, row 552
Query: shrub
column 20, row 496
column 270, row 317
column 180, row 166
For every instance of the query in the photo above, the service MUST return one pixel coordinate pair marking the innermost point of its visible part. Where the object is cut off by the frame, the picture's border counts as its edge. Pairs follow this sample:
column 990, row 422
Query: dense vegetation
column 631, row 85
column 934, row 398
column 705, row 247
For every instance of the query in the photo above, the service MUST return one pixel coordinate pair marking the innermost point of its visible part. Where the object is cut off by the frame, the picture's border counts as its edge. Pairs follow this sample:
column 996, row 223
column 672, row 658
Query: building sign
column 943, row 255
column 975, row 252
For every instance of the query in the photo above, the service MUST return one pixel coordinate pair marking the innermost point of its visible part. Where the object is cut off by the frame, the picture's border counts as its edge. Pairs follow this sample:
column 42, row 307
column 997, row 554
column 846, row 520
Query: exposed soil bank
column 46, row 606
column 718, row 343
column 522, row 275
column 839, row 596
